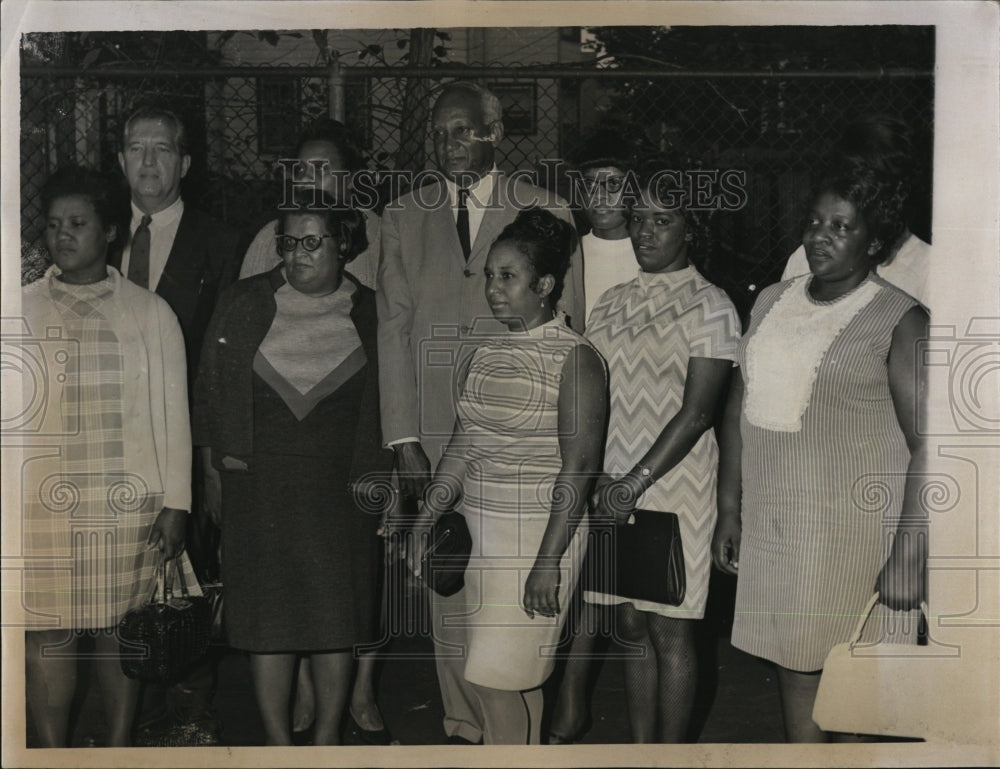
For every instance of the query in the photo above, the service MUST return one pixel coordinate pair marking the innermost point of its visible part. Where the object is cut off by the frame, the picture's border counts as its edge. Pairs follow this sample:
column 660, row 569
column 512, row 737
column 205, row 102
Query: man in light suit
column 188, row 258
column 432, row 306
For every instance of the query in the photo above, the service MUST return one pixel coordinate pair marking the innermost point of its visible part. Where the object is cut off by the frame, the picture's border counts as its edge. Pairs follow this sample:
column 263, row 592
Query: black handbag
column 642, row 560
column 448, row 549
column 163, row 639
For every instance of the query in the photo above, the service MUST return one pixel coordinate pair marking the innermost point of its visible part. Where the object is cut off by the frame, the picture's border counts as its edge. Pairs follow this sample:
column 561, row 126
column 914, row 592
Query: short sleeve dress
column 823, row 466
column 508, row 410
column 648, row 330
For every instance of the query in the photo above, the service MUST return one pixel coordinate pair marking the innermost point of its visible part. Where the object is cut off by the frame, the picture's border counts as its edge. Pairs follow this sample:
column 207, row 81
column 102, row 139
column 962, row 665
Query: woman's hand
column 901, row 582
column 417, row 541
column 212, row 501
column 211, row 487
column 726, row 543
column 541, row 591
column 167, row 532
column 616, row 500
column 413, row 468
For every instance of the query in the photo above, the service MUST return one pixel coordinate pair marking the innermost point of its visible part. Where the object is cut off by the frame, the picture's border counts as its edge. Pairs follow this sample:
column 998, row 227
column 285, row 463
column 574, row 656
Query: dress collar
column 651, row 280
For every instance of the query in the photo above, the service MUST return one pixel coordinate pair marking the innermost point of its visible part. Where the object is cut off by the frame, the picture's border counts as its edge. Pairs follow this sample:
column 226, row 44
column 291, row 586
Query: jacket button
column 468, row 273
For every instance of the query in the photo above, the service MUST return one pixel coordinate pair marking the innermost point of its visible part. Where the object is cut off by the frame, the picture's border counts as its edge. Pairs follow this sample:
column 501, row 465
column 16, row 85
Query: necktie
column 463, row 223
column 138, row 261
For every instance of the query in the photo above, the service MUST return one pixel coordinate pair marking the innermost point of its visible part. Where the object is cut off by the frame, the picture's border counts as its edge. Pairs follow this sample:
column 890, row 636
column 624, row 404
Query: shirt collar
column 168, row 215
column 479, row 193
column 650, row 280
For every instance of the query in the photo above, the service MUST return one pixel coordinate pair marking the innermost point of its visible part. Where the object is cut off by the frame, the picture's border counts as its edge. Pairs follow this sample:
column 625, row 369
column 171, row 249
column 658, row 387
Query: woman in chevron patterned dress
column 822, row 447
column 669, row 337
column 525, row 451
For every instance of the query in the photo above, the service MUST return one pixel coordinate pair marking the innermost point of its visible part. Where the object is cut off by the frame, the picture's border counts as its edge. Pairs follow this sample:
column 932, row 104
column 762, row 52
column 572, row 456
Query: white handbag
column 890, row 689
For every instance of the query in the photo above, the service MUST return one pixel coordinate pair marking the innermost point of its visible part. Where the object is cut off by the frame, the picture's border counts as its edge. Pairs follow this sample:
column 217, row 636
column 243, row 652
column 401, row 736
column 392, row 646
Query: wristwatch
column 644, row 472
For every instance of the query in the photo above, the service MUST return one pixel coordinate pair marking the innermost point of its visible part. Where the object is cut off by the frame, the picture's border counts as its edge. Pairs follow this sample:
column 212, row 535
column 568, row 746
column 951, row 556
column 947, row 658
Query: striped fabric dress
column 85, row 519
column 509, row 413
column 823, row 467
column 648, row 330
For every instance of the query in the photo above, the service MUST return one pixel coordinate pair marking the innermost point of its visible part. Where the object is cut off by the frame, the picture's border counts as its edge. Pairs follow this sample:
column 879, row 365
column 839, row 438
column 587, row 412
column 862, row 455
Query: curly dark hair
column 879, row 199
column 547, row 241
column 336, row 133
column 601, row 149
column 880, row 141
column 108, row 199
column 345, row 224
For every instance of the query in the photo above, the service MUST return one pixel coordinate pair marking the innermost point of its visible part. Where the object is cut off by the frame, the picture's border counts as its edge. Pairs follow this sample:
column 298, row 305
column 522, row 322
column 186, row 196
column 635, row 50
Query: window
column 518, row 101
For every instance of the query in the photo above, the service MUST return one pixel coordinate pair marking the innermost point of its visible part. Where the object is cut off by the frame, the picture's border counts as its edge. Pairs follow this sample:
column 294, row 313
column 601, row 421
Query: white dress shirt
column 478, row 200
column 162, row 231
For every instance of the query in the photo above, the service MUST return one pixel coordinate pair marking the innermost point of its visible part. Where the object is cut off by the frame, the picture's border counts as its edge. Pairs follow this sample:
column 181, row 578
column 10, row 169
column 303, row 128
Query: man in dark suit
column 188, row 258
column 182, row 254
column 431, row 303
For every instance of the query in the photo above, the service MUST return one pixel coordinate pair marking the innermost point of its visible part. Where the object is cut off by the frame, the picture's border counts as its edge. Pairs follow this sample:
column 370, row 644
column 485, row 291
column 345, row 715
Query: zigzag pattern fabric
column 648, row 330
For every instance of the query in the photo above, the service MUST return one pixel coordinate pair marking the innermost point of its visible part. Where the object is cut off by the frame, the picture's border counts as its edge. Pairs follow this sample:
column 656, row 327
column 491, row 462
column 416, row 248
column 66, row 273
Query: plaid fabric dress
column 86, row 519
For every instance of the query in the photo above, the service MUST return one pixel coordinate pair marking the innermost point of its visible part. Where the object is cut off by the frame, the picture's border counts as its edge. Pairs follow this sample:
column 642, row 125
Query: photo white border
column 966, row 245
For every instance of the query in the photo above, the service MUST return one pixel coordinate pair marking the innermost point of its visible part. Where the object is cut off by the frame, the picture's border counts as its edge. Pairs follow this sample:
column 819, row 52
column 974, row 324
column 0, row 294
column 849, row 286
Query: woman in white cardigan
column 106, row 501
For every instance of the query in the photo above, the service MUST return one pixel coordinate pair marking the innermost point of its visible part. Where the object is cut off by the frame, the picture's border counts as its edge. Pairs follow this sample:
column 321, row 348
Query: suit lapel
column 492, row 223
column 184, row 258
column 441, row 232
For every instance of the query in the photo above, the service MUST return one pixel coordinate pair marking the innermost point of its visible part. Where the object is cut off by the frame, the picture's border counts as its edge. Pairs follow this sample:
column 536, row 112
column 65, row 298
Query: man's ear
column 545, row 285
column 874, row 247
column 185, row 165
column 496, row 132
column 111, row 232
column 121, row 161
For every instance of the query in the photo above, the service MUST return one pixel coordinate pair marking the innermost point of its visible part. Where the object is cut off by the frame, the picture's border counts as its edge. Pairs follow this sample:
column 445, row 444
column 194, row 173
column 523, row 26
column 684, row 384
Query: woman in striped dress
column 820, row 439
column 526, row 446
column 107, row 491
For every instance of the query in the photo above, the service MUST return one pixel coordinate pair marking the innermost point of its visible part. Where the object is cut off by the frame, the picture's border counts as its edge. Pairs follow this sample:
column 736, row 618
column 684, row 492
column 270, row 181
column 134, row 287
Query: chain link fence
column 774, row 127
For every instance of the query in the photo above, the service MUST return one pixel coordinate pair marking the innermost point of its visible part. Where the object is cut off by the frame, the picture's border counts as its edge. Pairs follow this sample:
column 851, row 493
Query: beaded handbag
column 161, row 640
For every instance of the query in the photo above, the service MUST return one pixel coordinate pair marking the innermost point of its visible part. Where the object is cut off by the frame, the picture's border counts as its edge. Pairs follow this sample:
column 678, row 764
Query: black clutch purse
column 161, row 640
column 643, row 560
column 450, row 544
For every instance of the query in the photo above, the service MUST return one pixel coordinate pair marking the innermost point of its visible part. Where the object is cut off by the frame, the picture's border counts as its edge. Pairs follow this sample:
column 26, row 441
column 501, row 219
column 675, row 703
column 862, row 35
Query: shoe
column 368, row 736
column 454, row 739
column 558, row 739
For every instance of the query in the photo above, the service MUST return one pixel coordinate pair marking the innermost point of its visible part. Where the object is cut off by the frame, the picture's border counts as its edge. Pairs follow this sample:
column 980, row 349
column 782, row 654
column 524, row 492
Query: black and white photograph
column 396, row 384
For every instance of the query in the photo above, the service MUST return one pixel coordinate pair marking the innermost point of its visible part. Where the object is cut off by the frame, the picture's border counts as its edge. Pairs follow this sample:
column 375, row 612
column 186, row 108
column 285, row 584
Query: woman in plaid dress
column 106, row 483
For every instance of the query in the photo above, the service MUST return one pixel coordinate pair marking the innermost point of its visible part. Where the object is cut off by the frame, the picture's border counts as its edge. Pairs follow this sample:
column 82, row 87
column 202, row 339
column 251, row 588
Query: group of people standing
column 469, row 346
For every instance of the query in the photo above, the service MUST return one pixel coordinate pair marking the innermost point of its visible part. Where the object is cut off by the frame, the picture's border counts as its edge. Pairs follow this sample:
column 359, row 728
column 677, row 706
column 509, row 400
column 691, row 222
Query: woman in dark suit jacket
column 286, row 407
